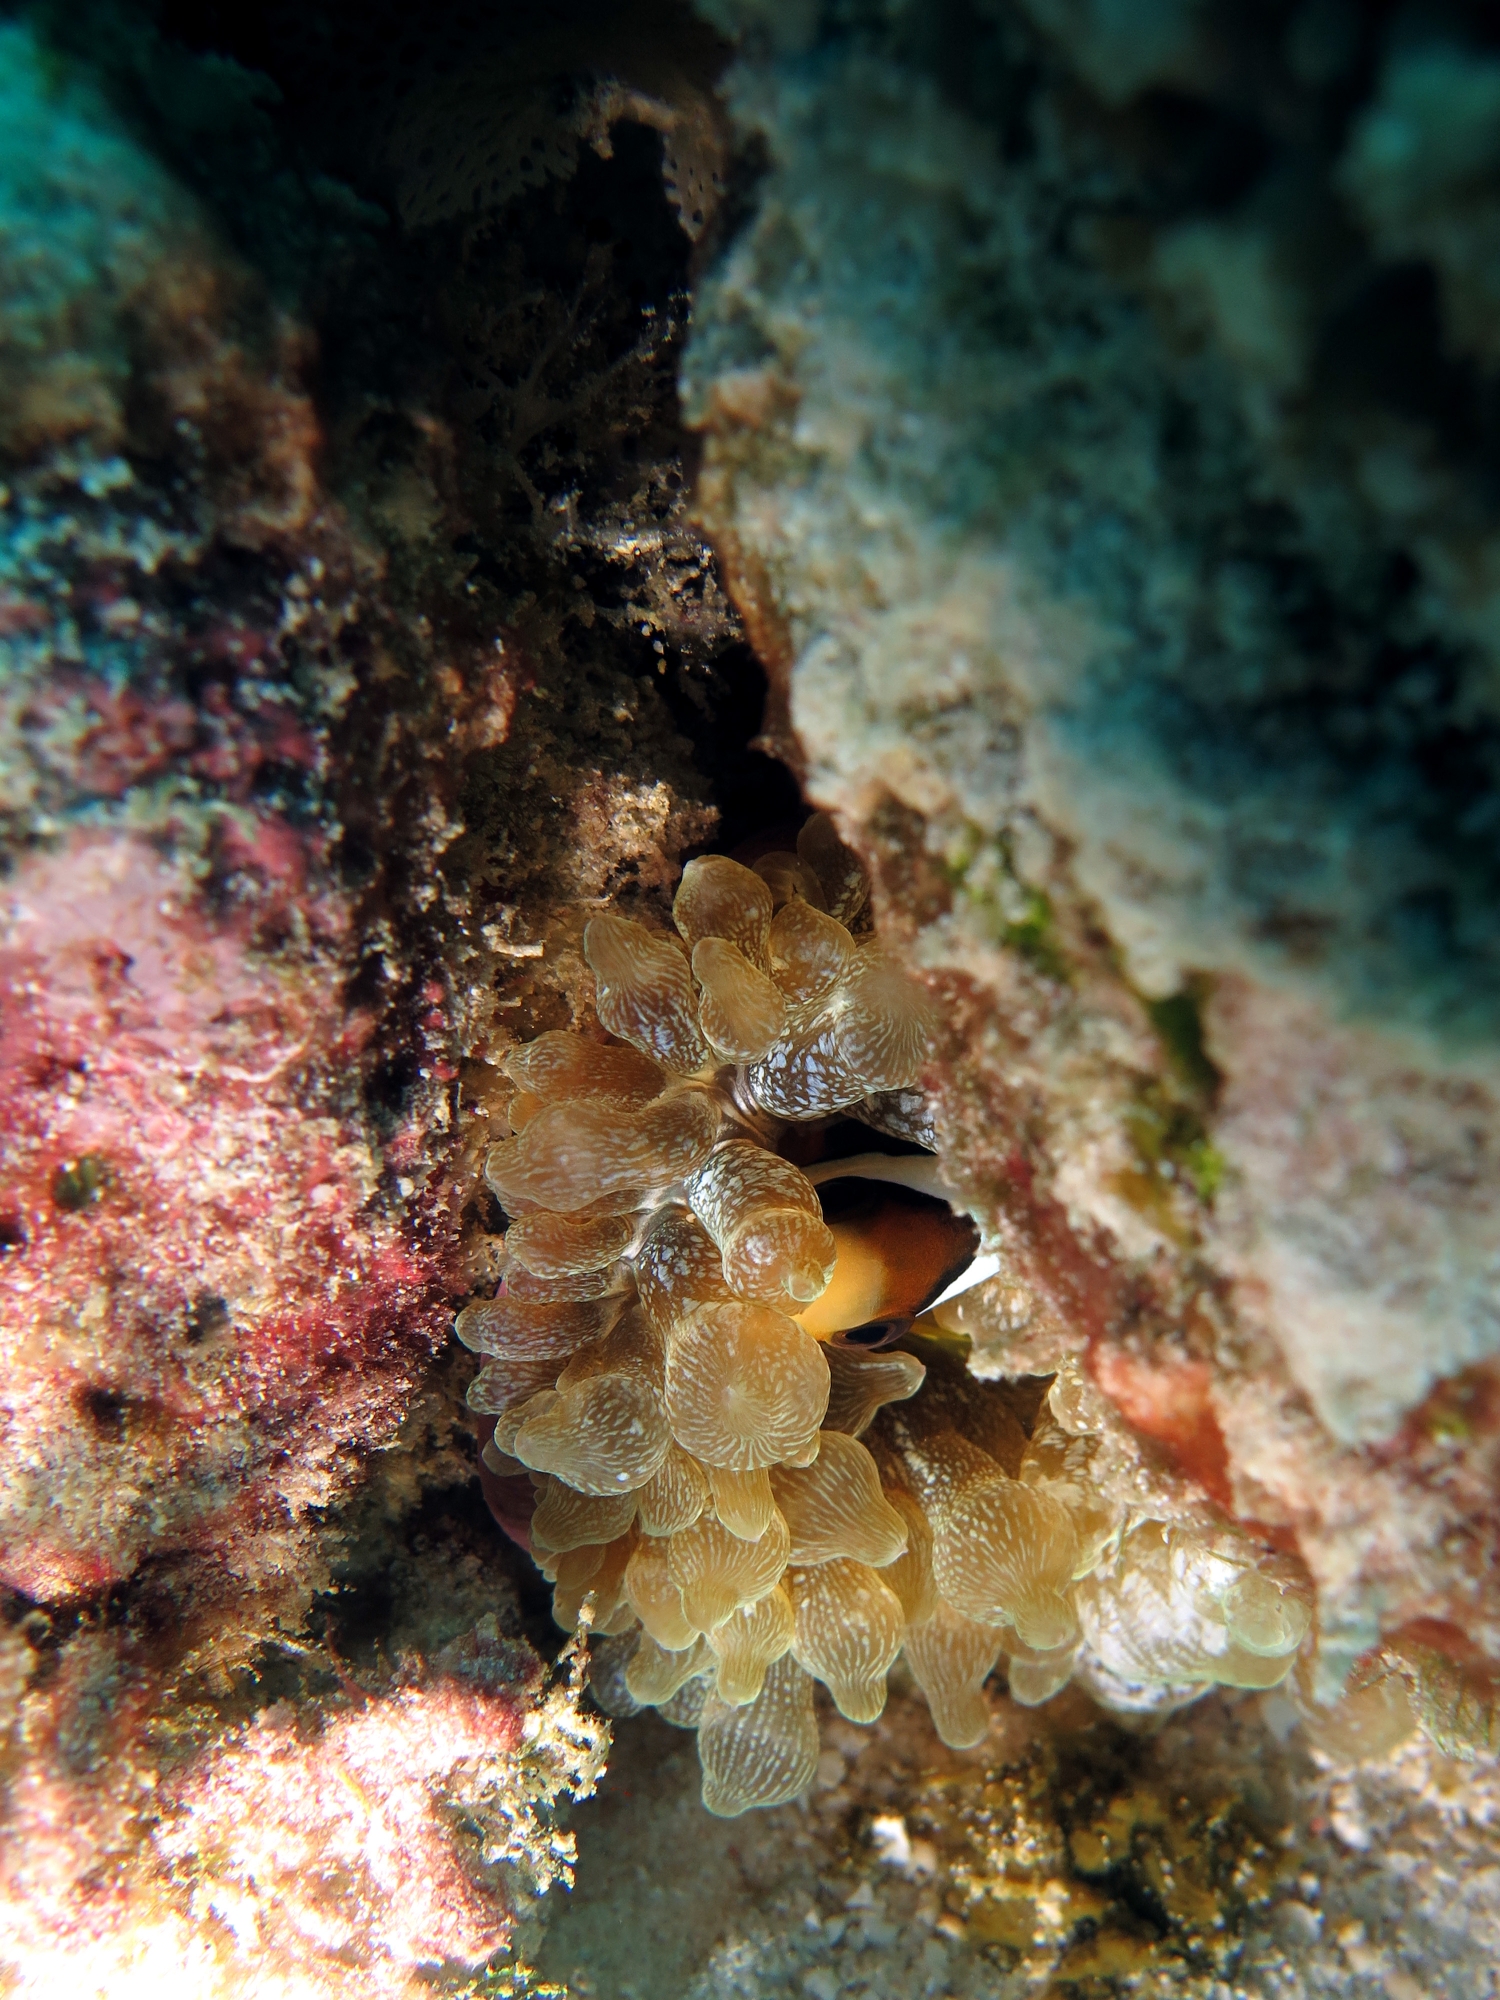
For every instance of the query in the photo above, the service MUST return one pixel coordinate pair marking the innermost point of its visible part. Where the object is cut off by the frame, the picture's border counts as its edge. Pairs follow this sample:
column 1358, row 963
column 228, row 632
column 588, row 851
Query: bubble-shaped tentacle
column 1159, row 1610
column 560, row 1064
column 835, row 1507
column 742, row 1500
column 501, row 1385
column 717, row 1572
column 765, row 1217
column 560, row 1246
column 674, row 1497
column 884, row 1023
column 764, row 1753
column 678, row 1268
column 849, row 1630
column 576, row 1155
column 806, row 1075
column 656, row 1673
column 1036, row 1676
column 717, row 898
column 645, row 992
column 910, row 1575
column 1004, row 1554
column 740, row 1010
column 951, row 1657
column 746, row 1387
column 529, row 1330
column 788, row 876
column 567, row 1519
column 809, row 952
column 840, row 872
column 606, row 1434
column 748, row 1642
column 1061, row 1464
column 598, row 1573
column 655, row 1597
column 522, row 1284
column 862, row 1383
column 685, row 1709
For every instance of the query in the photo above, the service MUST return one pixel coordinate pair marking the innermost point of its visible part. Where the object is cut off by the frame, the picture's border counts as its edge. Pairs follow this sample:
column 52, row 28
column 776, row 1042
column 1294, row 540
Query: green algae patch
column 1178, row 1021
column 1172, row 1141
column 1173, row 1150
column 1033, row 936
column 1167, row 1122
column 981, row 872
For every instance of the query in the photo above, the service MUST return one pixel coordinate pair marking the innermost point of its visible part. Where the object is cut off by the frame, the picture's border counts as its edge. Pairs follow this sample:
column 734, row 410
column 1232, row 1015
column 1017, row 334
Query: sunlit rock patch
column 327, row 1849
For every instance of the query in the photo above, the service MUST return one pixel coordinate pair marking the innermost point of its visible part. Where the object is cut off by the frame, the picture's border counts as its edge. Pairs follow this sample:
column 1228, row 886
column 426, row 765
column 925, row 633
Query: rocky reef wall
column 285, row 775
column 1066, row 416
column 424, row 447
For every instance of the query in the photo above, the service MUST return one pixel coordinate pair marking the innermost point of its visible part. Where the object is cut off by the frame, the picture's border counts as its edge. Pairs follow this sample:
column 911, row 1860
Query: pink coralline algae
column 348, row 1851
column 201, row 1309
column 352, row 1803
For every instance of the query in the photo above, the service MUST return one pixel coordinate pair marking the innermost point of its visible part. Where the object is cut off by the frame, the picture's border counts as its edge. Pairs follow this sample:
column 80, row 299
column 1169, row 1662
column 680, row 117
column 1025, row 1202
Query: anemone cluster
column 757, row 1458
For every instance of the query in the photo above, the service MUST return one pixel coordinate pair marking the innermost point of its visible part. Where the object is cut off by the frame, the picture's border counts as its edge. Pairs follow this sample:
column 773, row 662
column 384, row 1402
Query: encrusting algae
column 759, row 1458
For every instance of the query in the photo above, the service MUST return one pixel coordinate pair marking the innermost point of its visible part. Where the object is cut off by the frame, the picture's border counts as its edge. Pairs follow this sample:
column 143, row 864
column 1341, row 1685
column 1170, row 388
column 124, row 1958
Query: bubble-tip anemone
column 692, row 1356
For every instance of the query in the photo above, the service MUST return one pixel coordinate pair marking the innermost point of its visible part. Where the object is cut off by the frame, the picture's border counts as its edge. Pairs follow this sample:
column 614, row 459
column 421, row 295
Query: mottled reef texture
column 1105, row 473
column 1061, row 1859
column 317, row 705
column 412, row 427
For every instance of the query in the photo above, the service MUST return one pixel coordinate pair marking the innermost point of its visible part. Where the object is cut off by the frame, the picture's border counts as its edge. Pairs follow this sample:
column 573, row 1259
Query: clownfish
column 902, row 1247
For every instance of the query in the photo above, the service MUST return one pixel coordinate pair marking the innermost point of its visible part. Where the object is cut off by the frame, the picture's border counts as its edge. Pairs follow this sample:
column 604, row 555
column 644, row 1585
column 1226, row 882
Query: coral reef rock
column 796, row 708
column 1128, row 600
column 318, row 1848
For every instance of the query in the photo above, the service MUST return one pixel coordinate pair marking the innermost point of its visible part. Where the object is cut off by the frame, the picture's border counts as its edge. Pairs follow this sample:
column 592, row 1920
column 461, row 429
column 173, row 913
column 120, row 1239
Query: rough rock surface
column 282, row 782
column 1096, row 424
column 336, row 1844
column 1213, row 1860
column 1055, row 469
